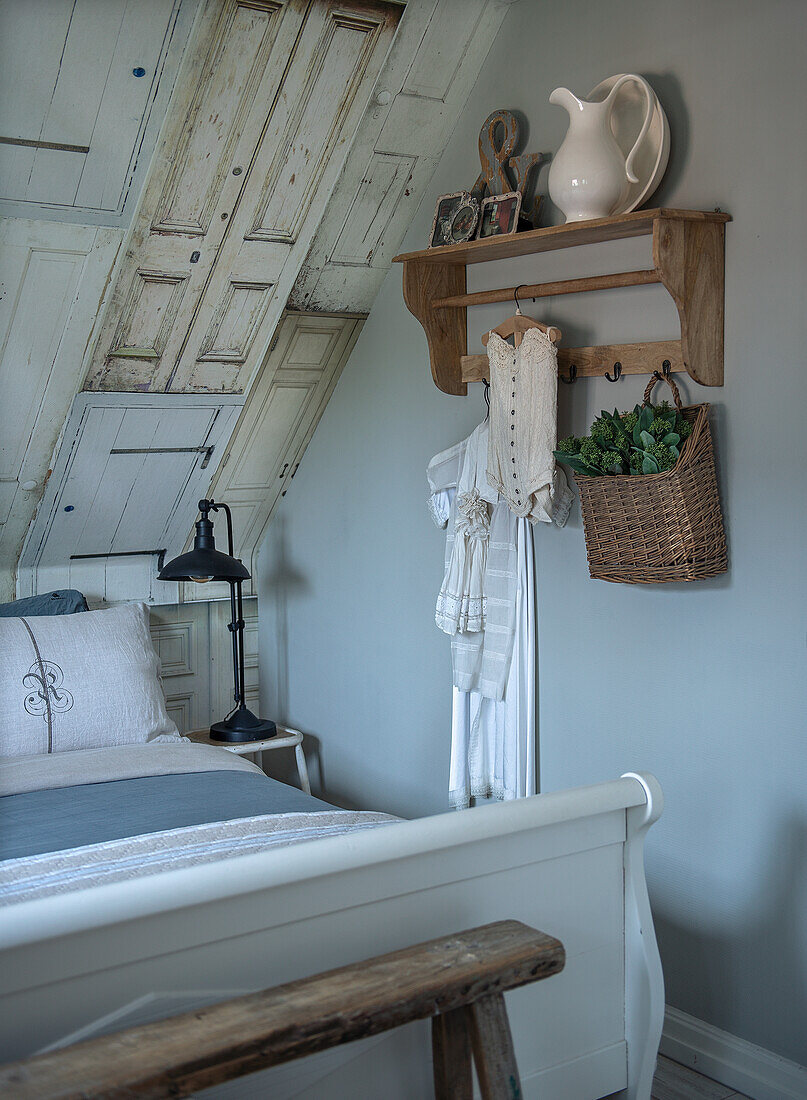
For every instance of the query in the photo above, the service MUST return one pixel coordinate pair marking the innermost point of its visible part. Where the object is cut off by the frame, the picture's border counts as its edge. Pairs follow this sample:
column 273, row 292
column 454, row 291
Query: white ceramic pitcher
column 590, row 175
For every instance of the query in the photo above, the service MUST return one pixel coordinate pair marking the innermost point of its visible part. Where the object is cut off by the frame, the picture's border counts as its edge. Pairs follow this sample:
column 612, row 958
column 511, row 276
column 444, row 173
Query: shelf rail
column 548, row 290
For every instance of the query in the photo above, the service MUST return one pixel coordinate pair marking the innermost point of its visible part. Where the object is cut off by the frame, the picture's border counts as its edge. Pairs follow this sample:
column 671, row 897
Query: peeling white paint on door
column 125, row 487
column 77, row 126
column 429, row 73
column 261, row 123
column 299, row 140
column 52, row 279
column 275, row 426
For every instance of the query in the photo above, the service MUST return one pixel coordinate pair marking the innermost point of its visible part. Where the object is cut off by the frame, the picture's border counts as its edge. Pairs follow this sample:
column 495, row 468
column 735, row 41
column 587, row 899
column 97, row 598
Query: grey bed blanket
column 69, row 769
column 35, row 822
column 133, row 810
column 118, row 860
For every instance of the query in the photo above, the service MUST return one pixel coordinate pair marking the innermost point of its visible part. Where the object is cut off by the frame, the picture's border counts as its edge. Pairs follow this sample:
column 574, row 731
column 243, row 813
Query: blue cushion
column 65, row 602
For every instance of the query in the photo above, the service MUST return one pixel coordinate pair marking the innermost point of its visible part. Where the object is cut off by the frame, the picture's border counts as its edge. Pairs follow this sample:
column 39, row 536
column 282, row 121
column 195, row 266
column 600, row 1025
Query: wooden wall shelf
column 688, row 260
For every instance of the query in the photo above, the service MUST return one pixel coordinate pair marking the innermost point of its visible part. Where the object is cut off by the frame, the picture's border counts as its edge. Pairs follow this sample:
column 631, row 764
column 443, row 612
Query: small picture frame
column 462, row 226
column 499, row 215
column 447, row 207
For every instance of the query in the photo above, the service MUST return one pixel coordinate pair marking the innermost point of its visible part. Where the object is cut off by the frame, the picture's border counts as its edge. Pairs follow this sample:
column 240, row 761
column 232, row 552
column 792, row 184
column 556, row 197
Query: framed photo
column 447, row 207
column 463, row 223
column 499, row 215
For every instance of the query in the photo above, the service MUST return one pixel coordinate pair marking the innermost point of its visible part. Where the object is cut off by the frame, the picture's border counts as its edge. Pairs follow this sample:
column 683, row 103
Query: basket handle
column 662, row 378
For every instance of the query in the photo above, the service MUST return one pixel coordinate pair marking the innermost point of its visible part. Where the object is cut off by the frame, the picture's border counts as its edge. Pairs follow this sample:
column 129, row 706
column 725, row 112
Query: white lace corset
column 523, row 427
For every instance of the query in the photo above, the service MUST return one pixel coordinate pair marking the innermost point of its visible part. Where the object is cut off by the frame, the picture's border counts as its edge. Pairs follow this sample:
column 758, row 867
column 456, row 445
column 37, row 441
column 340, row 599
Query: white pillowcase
column 80, row 682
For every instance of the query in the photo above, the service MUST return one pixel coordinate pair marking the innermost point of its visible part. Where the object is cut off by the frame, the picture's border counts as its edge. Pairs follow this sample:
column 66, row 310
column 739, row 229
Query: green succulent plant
column 569, row 446
column 603, row 431
column 661, row 427
column 642, row 440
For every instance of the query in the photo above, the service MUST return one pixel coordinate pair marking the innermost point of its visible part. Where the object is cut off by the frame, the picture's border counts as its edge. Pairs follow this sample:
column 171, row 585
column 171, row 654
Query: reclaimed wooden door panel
column 451, row 29
column 379, row 195
column 324, row 93
column 128, row 101
column 278, row 420
column 26, row 95
column 370, row 236
column 265, row 112
column 217, row 132
column 265, row 463
column 53, row 278
column 7, row 492
column 273, row 430
column 128, row 479
column 235, row 323
column 229, row 338
column 148, row 315
column 196, row 659
column 80, row 95
column 427, row 77
column 121, row 489
column 304, row 352
column 32, row 322
column 181, row 636
column 226, row 91
column 321, row 107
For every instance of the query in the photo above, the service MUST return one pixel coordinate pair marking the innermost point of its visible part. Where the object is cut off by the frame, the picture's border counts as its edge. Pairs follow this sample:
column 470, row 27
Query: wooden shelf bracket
column 688, row 260
column 445, row 329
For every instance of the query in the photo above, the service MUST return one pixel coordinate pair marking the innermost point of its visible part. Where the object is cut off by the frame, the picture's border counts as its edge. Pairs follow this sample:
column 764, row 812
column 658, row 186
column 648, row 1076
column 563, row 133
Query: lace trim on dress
column 473, row 519
column 502, row 354
column 438, row 514
column 460, row 614
column 461, row 799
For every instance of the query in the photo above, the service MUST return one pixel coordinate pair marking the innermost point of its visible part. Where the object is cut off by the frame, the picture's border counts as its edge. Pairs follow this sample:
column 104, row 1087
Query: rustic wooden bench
column 457, row 980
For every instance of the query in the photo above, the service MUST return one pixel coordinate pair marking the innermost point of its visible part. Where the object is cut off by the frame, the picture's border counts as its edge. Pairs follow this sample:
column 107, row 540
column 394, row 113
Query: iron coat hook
column 572, row 375
column 617, row 373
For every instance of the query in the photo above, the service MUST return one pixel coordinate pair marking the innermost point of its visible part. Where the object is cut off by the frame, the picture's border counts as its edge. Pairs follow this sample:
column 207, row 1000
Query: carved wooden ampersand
column 497, row 160
column 493, row 178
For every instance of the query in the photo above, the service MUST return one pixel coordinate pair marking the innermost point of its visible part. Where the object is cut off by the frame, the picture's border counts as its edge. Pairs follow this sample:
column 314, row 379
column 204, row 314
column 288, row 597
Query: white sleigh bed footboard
column 569, row 863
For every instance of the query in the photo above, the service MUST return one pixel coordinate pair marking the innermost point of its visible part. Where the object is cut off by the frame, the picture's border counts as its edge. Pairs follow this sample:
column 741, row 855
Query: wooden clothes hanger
column 518, row 324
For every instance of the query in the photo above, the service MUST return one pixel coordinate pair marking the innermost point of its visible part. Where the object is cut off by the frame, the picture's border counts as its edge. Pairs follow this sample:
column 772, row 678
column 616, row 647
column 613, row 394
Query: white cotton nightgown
column 461, row 602
column 493, row 749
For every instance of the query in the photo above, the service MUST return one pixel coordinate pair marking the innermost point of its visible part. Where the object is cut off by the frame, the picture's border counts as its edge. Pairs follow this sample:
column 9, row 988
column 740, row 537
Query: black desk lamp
column 206, row 563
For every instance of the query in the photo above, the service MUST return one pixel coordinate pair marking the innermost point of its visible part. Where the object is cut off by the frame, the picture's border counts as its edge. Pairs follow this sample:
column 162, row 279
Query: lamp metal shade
column 204, row 562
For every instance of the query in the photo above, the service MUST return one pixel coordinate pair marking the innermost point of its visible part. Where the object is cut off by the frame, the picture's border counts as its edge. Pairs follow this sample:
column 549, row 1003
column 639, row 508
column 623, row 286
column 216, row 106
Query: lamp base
column 242, row 725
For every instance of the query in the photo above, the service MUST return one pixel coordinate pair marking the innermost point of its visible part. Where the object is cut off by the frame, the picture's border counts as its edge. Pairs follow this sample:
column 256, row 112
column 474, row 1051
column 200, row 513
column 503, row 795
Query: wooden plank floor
column 677, row 1082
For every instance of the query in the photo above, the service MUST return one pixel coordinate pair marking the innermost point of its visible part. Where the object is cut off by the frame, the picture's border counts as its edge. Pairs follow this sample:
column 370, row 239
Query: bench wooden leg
column 451, row 1056
column 492, row 1044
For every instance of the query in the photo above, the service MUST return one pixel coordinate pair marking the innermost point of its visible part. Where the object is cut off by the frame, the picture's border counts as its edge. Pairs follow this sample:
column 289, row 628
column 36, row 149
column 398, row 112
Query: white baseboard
column 598, row 1073
column 734, row 1062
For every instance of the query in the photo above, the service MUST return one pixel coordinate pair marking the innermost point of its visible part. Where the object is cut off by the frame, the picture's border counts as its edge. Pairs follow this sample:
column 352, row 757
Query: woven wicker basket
column 652, row 528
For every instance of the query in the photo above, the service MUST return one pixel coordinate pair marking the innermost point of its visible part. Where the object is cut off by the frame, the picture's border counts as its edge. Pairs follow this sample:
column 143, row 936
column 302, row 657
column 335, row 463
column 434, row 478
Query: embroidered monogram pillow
column 80, row 682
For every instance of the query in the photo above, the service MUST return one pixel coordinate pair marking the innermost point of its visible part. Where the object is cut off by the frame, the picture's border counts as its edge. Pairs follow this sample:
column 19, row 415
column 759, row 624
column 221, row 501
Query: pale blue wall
column 703, row 684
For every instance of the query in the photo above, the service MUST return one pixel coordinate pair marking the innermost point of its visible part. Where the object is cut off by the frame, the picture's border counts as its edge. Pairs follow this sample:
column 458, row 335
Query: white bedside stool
column 285, row 738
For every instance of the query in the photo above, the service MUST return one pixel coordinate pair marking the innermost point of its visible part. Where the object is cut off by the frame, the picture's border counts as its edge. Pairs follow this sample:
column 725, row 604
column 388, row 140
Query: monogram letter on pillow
column 80, row 682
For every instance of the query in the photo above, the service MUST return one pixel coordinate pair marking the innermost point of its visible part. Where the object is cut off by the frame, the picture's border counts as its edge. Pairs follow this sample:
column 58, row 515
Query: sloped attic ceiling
column 235, row 254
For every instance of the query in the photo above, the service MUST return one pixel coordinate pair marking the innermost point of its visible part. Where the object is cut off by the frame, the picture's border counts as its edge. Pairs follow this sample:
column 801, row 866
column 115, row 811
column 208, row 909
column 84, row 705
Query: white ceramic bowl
column 651, row 158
